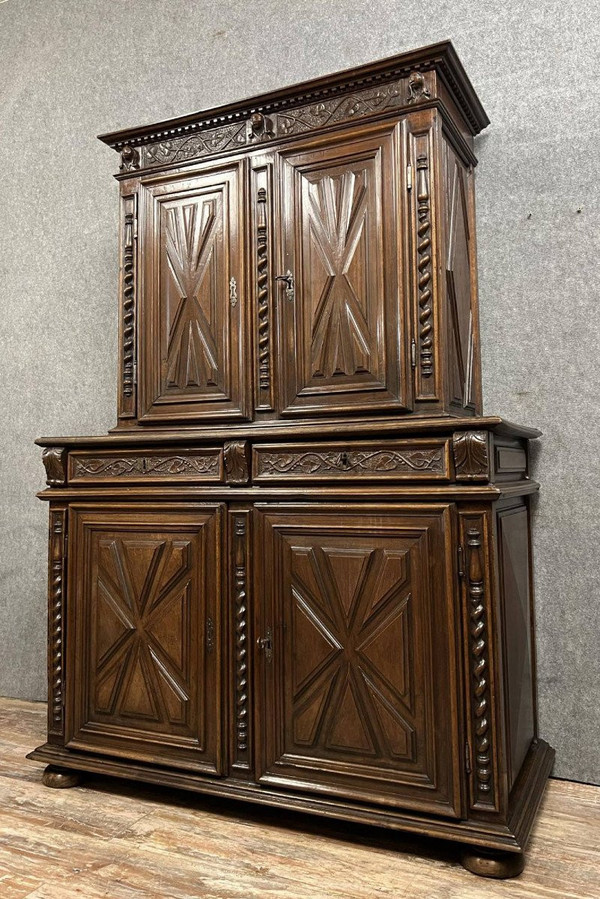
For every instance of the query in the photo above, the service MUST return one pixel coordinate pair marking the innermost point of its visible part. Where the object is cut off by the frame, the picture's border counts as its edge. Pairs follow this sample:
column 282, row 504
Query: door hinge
column 460, row 555
column 134, row 374
column 409, row 176
column 468, row 757
column 413, row 353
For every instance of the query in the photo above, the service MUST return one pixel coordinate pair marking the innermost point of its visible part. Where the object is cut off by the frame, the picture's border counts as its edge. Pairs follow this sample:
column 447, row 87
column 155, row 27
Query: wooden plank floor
column 117, row 840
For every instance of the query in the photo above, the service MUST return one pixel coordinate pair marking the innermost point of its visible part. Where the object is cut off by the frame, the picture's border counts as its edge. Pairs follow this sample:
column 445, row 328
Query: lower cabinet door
column 357, row 668
column 144, row 633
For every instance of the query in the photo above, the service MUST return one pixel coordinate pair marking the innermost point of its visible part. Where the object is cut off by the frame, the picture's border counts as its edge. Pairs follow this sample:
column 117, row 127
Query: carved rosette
column 471, row 455
column 241, row 636
column 480, row 693
column 264, row 375
column 54, row 459
column 56, row 575
column 236, row 460
column 128, row 338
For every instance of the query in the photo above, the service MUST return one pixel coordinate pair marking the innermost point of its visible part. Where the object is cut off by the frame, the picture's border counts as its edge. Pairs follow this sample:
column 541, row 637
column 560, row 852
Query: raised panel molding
column 191, row 231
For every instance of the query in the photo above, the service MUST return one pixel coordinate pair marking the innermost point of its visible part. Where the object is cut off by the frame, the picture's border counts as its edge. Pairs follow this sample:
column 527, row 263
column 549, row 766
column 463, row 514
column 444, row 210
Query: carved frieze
column 471, row 455
column 91, row 467
column 341, row 107
column 371, row 462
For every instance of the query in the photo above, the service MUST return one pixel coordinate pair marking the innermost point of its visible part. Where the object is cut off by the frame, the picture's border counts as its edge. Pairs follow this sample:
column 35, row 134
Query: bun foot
column 489, row 863
column 60, row 778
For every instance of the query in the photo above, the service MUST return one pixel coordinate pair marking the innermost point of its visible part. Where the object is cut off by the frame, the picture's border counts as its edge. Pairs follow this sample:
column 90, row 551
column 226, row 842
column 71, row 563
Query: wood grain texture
column 109, row 838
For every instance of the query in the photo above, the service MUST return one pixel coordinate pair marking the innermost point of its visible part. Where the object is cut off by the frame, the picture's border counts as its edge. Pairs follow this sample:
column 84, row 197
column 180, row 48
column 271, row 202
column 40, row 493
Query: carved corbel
column 130, row 159
column 471, row 455
column 236, row 457
column 259, row 127
column 417, row 89
column 55, row 459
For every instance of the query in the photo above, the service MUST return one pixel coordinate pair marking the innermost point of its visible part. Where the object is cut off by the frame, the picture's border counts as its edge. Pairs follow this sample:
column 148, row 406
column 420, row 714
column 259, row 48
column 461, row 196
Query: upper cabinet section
column 308, row 253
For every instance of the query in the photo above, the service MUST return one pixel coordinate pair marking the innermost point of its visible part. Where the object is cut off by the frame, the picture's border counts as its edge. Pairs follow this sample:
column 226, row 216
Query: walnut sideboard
column 298, row 570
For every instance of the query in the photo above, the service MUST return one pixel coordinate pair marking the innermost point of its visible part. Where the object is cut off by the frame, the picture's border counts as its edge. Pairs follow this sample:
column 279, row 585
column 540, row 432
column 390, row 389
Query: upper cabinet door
column 344, row 344
column 193, row 307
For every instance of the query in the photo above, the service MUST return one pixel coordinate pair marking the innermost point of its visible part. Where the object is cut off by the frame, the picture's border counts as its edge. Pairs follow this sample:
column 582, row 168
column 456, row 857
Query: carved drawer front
column 390, row 460
column 198, row 465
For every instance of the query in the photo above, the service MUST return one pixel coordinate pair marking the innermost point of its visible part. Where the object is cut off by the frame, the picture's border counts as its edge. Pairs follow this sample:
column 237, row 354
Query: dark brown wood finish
column 298, row 571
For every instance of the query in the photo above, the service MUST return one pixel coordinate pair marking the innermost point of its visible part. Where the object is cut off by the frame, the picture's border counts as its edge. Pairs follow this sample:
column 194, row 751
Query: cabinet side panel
column 460, row 275
column 514, row 565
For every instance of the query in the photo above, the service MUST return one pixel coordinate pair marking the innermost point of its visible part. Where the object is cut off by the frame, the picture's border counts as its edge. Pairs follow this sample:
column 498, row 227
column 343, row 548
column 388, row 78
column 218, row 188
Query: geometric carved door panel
column 342, row 328
column 358, row 692
column 194, row 306
column 145, row 611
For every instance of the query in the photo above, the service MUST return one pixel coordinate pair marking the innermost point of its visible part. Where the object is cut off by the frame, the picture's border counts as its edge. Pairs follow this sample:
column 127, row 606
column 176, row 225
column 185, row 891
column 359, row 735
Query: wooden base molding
column 485, row 834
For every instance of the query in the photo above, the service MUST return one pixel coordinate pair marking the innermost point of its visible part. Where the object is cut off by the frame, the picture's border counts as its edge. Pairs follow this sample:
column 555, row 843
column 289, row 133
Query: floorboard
column 118, row 840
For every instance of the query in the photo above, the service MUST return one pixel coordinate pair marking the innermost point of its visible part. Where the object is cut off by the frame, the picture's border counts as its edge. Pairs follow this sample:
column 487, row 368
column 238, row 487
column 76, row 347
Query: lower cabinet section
column 366, row 661
column 358, row 694
column 144, row 608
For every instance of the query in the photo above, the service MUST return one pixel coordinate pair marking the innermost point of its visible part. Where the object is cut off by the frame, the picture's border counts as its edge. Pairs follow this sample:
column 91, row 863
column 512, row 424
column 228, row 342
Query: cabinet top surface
column 285, row 430
column 440, row 59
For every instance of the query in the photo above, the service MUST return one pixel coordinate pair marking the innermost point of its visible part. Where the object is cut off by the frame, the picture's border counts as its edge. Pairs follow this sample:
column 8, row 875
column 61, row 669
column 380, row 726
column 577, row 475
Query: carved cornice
column 471, row 455
column 259, row 118
column 237, row 462
column 54, row 459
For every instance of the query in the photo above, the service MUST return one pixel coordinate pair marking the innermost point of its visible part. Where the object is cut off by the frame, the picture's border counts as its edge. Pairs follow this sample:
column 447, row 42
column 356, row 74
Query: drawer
column 200, row 466
column 390, row 460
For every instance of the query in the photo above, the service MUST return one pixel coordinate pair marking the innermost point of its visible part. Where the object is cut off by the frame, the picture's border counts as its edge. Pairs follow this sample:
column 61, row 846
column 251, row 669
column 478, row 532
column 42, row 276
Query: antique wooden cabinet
column 298, row 570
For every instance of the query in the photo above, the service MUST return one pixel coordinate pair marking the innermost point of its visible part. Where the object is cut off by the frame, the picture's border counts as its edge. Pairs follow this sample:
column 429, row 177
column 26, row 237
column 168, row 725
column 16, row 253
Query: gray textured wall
column 69, row 69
